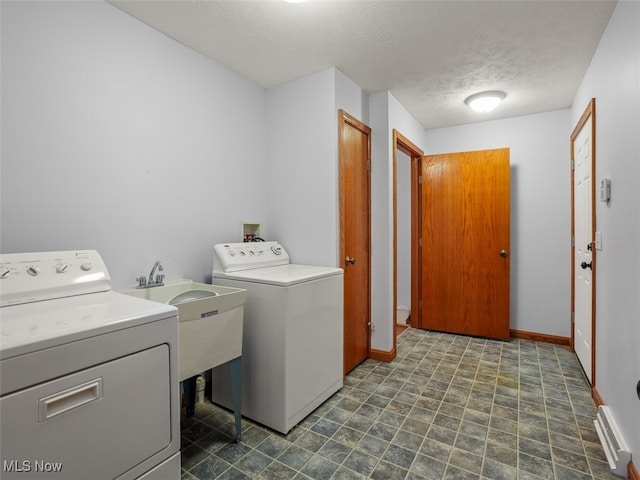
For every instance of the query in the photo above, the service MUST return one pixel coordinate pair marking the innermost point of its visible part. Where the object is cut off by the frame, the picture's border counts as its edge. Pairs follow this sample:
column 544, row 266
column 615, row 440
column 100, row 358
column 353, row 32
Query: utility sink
column 210, row 319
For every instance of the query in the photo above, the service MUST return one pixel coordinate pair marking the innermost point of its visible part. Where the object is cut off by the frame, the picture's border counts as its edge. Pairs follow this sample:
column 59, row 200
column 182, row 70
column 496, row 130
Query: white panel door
column 583, row 208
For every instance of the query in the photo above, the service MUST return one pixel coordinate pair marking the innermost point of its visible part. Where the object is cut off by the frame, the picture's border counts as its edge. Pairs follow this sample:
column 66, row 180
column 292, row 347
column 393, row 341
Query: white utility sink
column 210, row 319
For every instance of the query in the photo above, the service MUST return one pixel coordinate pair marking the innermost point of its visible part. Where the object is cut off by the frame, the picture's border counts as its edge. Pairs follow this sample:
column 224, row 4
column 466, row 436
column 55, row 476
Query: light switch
column 598, row 241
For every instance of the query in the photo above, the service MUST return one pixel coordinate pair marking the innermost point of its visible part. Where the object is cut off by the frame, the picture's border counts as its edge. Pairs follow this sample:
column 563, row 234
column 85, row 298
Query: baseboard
column 382, row 355
column 595, row 394
column 632, row 472
column 540, row 337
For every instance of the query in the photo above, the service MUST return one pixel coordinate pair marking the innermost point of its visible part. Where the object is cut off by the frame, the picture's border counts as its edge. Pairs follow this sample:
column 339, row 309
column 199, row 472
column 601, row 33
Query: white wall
column 350, row 98
column 540, row 211
column 117, row 138
column 613, row 79
column 386, row 114
column 403, row 290
column 381, row 225
column 303, row 174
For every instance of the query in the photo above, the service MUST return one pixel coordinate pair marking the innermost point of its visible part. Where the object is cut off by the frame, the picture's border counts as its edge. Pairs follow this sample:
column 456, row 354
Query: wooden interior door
column 465, row 243
column 355, row 161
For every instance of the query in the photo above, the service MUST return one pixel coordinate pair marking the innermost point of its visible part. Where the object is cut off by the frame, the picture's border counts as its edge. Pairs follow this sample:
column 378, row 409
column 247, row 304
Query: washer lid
column 281, row 275
column 35, row 326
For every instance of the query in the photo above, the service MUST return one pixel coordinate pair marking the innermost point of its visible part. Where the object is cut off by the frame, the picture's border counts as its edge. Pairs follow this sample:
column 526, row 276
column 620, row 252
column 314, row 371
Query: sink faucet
column 158, row 281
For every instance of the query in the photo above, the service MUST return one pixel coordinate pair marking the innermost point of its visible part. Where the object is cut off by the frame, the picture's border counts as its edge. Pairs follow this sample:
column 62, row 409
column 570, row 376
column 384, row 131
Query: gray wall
column 119, row 139
column 403, row 190
column 302, row 177
column 386, row 114
column 613, row 79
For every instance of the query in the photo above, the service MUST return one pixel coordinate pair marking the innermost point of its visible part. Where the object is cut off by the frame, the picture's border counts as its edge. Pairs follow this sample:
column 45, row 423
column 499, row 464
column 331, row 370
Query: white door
column 583, row 209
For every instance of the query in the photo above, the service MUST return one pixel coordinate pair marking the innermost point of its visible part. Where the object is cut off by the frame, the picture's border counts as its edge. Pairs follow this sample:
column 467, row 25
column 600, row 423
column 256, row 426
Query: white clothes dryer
column 88, row 377
column 292, row 352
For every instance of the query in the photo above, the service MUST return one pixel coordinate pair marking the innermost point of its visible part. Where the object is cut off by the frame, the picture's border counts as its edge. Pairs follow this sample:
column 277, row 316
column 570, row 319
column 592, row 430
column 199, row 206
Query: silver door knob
column 504, row 253
column 349, row 260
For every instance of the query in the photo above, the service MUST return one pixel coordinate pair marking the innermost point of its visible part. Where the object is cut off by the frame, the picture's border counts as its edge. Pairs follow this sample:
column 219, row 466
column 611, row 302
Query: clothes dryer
column 88, row 377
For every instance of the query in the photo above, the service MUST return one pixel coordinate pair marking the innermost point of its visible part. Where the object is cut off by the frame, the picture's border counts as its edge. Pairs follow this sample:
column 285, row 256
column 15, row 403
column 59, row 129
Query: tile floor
column 448, row 407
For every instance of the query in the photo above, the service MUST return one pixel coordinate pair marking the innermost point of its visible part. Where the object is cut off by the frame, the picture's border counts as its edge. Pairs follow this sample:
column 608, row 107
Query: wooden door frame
column 402, row 143
column 590, row 111
column 344, row 119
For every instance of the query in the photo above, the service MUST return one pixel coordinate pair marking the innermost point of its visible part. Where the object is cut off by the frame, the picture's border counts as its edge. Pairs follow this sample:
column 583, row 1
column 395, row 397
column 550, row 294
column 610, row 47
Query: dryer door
column 97, row 423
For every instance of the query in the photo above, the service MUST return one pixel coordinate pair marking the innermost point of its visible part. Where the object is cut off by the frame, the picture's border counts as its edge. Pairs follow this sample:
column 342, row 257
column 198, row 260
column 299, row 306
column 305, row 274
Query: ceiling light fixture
column 484, row 102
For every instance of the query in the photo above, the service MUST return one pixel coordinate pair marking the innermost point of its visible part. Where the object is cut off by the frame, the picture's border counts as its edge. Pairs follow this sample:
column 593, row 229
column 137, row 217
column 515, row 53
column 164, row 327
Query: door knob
column 349, row 260
column 585, row 265
column 504, row 253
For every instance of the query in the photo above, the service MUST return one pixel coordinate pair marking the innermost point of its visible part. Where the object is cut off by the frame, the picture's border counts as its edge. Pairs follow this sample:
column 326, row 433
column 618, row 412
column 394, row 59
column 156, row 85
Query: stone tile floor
column 448, row 407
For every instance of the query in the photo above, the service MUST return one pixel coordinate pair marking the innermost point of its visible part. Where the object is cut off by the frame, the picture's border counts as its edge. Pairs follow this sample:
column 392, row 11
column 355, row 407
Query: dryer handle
column 74, row 397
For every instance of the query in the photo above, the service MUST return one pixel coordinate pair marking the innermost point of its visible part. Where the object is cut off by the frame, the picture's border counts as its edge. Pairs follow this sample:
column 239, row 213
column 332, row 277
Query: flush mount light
column 484, row 102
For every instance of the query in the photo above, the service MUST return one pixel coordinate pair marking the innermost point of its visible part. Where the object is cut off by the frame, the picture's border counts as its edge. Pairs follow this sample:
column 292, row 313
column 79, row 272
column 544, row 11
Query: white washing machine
column 89, row 383
column 292, row 351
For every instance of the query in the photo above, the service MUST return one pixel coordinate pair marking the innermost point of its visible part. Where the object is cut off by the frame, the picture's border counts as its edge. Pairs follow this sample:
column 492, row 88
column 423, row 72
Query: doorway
column 583, row 258
column 354, row 142
column 404, row 150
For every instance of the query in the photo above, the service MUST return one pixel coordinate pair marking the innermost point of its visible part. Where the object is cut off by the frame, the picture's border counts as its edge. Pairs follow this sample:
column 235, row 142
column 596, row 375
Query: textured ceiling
column 430, row 55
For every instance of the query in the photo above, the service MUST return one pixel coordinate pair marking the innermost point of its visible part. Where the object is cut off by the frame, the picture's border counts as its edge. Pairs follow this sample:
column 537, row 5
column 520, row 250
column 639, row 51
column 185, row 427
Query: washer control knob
column 86, row 265
column 5, row 272
column 62, row 267
column 33, row 270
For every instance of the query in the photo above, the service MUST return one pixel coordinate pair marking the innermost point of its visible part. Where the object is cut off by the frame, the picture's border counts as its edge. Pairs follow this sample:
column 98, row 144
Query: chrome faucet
column 158, row 281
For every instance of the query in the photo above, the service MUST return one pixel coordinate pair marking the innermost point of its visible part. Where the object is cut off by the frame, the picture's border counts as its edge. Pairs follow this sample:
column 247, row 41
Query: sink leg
column 234, row 372
column 189, row 386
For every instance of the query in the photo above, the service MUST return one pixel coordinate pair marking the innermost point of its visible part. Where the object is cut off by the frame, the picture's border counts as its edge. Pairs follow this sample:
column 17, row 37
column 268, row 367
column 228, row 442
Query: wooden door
column 355, row 148
column 583, row 198
column 465, row 236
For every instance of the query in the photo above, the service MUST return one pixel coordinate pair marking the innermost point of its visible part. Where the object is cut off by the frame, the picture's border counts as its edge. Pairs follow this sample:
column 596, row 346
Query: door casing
column 402, row 143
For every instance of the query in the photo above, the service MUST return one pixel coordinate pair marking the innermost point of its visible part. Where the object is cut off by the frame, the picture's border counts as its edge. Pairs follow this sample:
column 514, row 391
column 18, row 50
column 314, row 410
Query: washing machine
column 292, row 352
column 89, row 384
